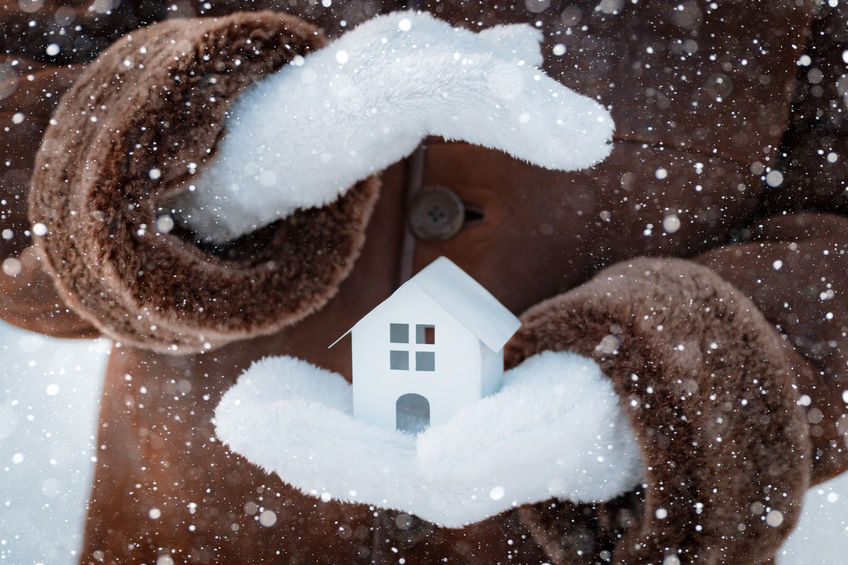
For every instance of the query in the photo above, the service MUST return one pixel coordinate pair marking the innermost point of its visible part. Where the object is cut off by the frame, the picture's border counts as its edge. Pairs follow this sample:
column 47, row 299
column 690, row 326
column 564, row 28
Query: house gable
column 412, row 309
column 454, row 291
column 467, row 301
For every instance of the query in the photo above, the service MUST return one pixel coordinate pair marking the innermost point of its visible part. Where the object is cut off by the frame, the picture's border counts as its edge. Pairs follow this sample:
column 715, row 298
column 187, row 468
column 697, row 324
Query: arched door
column 412, row 413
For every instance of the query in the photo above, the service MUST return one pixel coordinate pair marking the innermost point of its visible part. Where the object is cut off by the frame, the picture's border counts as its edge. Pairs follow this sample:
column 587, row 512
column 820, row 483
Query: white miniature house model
column 432, row 347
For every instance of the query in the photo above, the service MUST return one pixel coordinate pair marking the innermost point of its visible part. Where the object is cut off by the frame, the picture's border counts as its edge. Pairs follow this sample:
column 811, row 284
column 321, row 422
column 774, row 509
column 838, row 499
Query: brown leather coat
column 701, row 98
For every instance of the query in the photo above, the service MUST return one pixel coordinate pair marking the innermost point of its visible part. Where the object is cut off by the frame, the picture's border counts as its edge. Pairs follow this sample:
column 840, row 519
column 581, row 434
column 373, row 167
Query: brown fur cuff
column 143, row 115
column 705, row 382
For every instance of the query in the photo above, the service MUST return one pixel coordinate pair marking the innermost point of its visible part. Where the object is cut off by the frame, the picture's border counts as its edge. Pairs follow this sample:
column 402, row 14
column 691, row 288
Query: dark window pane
column 425, row 334
column 399, row 360
column 425, row 361
column 399, row 333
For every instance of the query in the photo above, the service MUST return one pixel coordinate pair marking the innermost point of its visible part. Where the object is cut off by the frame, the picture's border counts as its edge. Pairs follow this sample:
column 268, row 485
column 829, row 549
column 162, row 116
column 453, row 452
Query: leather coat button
column 436, row 213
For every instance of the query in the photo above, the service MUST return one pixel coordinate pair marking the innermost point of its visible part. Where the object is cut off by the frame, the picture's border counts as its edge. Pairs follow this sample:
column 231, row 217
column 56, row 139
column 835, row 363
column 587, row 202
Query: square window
column 425, row 361
column 399, row 360
column 399, row 333
column 425, row 334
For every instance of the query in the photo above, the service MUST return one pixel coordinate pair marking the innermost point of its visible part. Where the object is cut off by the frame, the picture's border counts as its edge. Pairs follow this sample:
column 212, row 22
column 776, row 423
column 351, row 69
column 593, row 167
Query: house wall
column 455, row 383
column 492, row 369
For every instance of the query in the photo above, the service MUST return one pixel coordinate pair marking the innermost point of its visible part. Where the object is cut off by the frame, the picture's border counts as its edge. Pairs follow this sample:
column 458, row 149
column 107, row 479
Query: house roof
column 465, row 299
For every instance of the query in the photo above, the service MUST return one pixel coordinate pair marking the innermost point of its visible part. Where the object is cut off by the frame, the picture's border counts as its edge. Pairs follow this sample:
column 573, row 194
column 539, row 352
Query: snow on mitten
column 369, row 99
column 276, row 228
column 135, row 125
column 706, row 384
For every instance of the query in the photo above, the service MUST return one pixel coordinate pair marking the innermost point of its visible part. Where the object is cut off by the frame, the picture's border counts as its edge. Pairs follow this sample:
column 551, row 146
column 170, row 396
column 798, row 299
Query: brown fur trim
column 157, row 99
column 794, row 271
column 705, row 382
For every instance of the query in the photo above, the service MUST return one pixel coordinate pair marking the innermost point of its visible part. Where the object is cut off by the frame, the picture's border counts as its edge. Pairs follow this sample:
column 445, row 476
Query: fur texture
column 132, row 128
column 706, row 384
column 554, row 429
column 794, row 271
column 368, row 99
column 703, row 487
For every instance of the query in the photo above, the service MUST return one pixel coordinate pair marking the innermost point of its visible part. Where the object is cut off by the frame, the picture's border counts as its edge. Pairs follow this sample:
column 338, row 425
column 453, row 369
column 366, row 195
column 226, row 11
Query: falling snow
column 50, row 388
column 491, row 455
